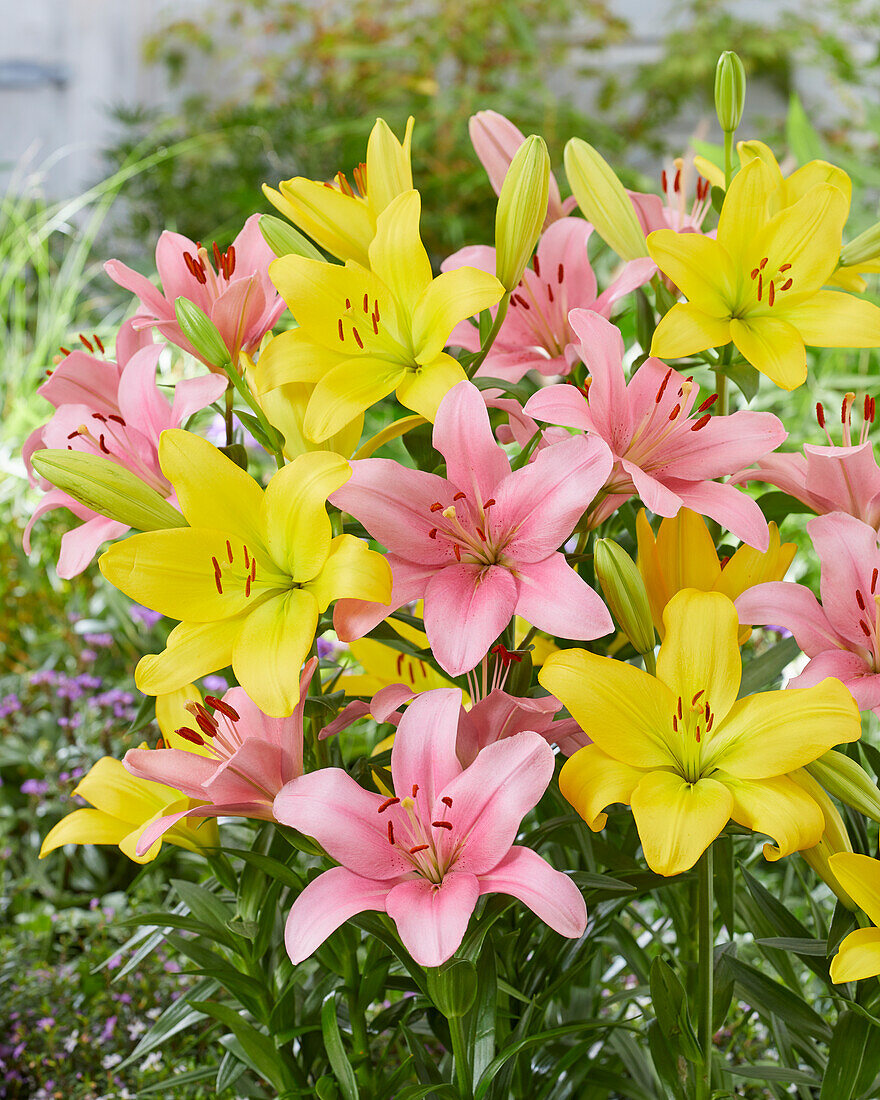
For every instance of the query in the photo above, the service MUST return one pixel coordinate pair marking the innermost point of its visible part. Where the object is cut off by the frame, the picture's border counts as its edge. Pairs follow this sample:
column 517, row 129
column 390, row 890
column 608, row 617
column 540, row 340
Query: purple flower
column 215, row 683
column 45, row 1022
column 144, row 615
column 99, row 641
column 34, row 786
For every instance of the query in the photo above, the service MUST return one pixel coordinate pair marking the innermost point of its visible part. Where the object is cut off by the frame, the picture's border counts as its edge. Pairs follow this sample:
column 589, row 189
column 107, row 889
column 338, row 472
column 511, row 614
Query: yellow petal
column 293, row 357
column 286, row 407
column 621, row 708
column 686, row 329
column 858, row 957
column 425, row 387
column 389, row 172
column 648, row 561
column 699, row 657
column 112, row 790
column 750, row 150
column 710, row 171
column 591, row 780
column 297, row 527
column 341, row 224
column 270, row 649
column 812, row 173
column 394, row 430
column 677, row 820
column 744, row 211
column 860, row 877
column 774, row 347
column 171, row 714
column 397, row 254
column 779, row 808
column 351, row 570
column 85, row 827
column 193, row 650
column 347, row 391
column 775, row 732
column 700, row 268
column 450, row 298
column 213, row 491
column 831, row 319
column 749, row 567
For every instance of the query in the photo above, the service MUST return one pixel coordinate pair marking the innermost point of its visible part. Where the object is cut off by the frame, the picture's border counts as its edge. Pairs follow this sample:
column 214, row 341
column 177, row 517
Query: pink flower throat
column 430, row 851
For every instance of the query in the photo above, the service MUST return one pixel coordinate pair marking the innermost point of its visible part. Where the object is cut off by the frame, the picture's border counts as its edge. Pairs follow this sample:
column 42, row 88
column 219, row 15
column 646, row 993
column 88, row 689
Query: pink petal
column 495, row 140
column 727, row 505
column 539, row 504
column 151, row 834
column 350, row 713
column 344, row 819
column 847, row 549
column 462, row 434
column 326, row 904
column 80, row 545
column 424, row 746
column 355, row 618
column 655, row 492
column 465, row 335
column 466, row 608
column 783, row 603
column 491, row 797
column 565, row 242
column 562, row 404
column 54, row 498
column 568, row 736
column 552, row 597
column 649, row 210
column 130, row 339
column 601, row 348
column 177, row 281
column 141, row 402
column 388, row 700
column 786, row 471
column 500, row 715
column 152, row 301
column 722, row 445
column 81, row 379
column 187, row 772
column 550, row 894
column 192, row 394
column 252, row 254
column 432, row 919
column 635, row 274
column 254, row 772
column 850, row 668
column 473, row 255
column 846, row 478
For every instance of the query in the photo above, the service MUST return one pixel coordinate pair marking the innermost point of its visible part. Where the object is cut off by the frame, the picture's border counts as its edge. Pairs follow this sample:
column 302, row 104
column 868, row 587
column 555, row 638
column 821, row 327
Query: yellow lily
column 859, row 954
column 759, row 284
column 365, row 333
column 341, row 221
column 384, row 665
column 123, row 806
column 249, row 576
column 683, row 555
column 682, row 751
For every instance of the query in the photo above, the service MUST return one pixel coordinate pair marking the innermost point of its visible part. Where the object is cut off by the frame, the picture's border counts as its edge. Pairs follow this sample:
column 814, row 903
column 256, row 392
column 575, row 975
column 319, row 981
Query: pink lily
column 495, row 140
column 115, row 410
column 239, row 296
column 249, row 758
column 653, row 213
column 842, row 635
column 829, row 479
column 480, row 544
column 660, row 453
column 426, row 854
column 536, row 333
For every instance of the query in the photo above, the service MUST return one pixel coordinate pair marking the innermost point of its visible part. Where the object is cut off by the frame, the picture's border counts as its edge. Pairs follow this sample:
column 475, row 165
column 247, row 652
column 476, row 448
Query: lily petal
column 859, row 954
column 326, row 904
column 591, row 781
column 774, row 346
column 686, row 329
column 466, row 608
column 450, row 298
column 432, row 919
column 860, row 877
column 555, row 599
column 424, row 748
column 270, row 648
column 192, row 650
column 677, row 820
column 778, row 807
column 548, row 893
column 351, row 570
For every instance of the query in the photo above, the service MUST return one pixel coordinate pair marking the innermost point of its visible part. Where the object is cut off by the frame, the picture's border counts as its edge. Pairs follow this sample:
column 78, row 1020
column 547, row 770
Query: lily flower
column 479, row 545
column 365, row 333
column 683, row 752
column 117, row 411
column 842, row 635
column 247, row 758
column 832, row 478
column 653, row 213
column 235, row 291
column 859, row 953
column 251, row 574
column 425, row 854
column 341, row 220
column 123, row 809
column 661, row 454
column 536, row 333
column 683, row 555
column 759, row 284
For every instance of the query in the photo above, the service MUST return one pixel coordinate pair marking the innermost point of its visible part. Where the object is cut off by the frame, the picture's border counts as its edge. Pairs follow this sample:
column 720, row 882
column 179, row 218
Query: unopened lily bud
column 107, row 488
column 847, row 780
column 201, row 332
column 522, row 206
column 625, row 593
column 284, row 240
column 862, row 248
column 835, row 838
column 730, row 90
column 603, row 200
column 452, row 987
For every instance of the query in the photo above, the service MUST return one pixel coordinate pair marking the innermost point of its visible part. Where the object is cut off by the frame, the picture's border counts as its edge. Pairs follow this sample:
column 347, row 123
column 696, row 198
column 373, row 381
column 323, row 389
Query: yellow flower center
column 690, row 724
column 770, row 282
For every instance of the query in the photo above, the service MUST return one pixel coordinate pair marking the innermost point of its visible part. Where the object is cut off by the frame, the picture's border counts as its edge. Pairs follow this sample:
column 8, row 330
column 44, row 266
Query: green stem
column 728, row 159
column 460, row 1056
column 359, row 1035
column 705, row 975
column 229, row 416
column 244, row 392
column 493, row 332
column 650, row 662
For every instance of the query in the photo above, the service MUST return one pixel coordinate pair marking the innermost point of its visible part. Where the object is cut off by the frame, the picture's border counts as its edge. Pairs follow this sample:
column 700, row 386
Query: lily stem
column 460, row 1056
column 493, row 332
column 728, row 158
column 705, row 974
column 229, row 416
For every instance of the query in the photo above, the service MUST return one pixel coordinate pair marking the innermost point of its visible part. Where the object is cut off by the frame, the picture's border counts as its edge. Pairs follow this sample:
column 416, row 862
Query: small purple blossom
column 144, row 615
column 34, row 786
column 215, row 683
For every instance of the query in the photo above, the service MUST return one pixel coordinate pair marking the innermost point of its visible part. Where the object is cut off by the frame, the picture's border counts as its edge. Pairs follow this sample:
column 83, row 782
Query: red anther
column 415, row 789
column 218, row 257
column 366, row 303
column 190, row 735
column 99, row 416
column 230, row 260
column 865, row 628
column 73, row 435
column 697, row 735
column 560, row 273
column 873, row 581
column 117, row 419
column 390, row 832
column 247, row 586
column 820, row 414
column 160, row 743
column 664, row 182
column 675, row 723
column 376, row 308
column 392, row 801
column 447, row 801
column 679, row 707
column 87, row 343
column 207, row 726
column 357, row 338
column 784, row 267
column 432, row 534
column 697, row 696
column 98, row 341
column 224, row 708
column 676, row 410
column 755, row 271
column 103, row 445
column 860, row 600
column 460, row 495
column 710, row 723
column 247, row 560
column 481, row 533
column 707, row 711
column 457, row 549
column 522, row 301
column 348, row 303
column 663, row 386
column 708, row 403
column 676, row 183
column 442, row 825
column 436, row 506
column 341, row 333
column 375, row 321
column 64, row 350
column 488, row 503
column 253, row 569
column 723, row 561
column 763, row 263
column 229, row 551
column 787, row 284
column 771, row 294
column 549, row 292
column 217, row 575
column 701, row 423
column 844, row 411
column 760, row 286
column 537, row 266
column 419, row 848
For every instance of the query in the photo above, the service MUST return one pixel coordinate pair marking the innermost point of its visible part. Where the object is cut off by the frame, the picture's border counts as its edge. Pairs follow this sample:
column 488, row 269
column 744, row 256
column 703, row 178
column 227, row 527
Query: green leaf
column 796, row 946
column 670, row 1008
column 168, row 1084
column 770, row 996
column 231, row 1068
column 804, row 142
column 743, row 375
column 671, row 1067
column 260, row 1052
column 854, row 1058
column 339, row 1062
column 519, row 390
column 777, row 505
column 203, row 905
column 179, row 1016
column 481, row 1021
column 767, row 1071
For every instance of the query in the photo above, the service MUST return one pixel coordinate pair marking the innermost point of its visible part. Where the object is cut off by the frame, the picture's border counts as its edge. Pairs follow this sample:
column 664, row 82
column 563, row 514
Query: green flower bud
column 107, row 488
column 284, row 240
column 452, row 987
column 625, row 593
column 843, row 778
column 862, row 248
column 834, row 838
column 603, row 200
column 202, row 333
column 730, row 90
column 522, row 207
